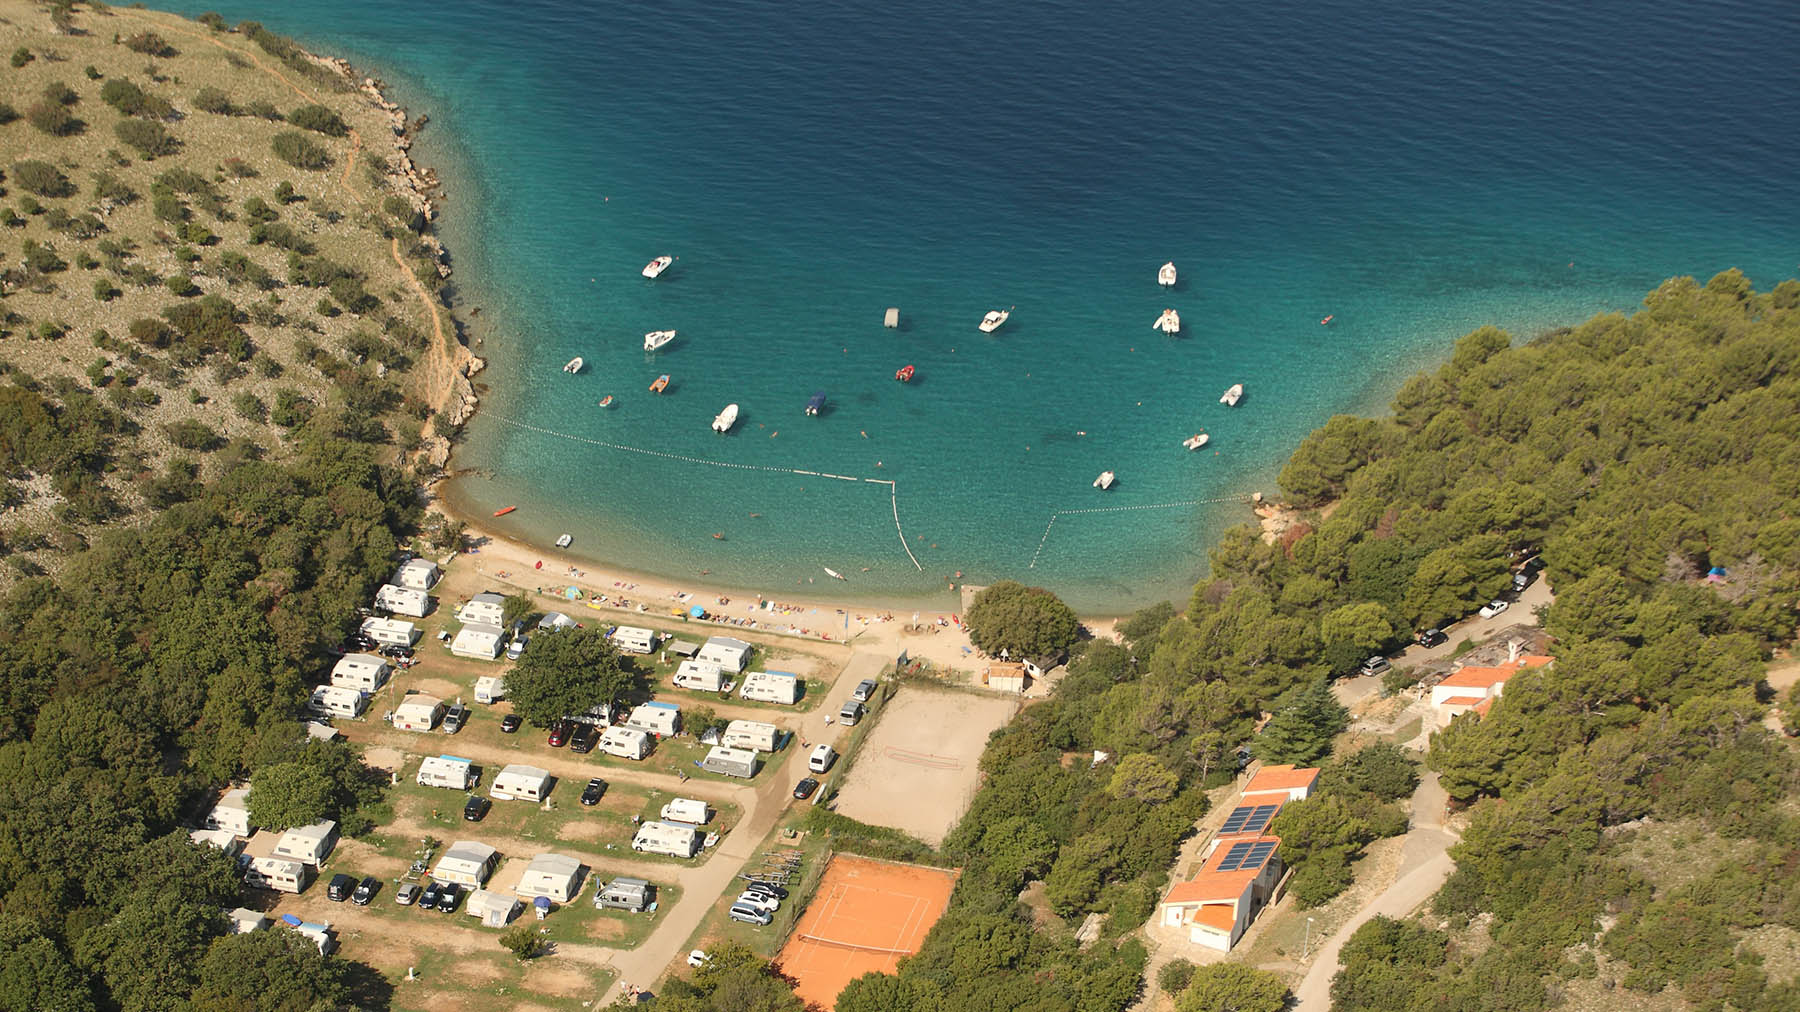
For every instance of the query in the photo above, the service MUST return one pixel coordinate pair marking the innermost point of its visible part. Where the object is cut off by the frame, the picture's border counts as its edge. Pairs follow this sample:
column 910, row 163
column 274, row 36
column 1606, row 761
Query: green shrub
column 237, row 168
column 103, row 290
column 258, row 211
column 214, row 100
column 7, row 113
column 92, row 72
column 131, row 100
column 300, row 151
column 60, row 93
column 109, row 187
column 43, row 179
column 42, row 258
column 290, row 408
column 1174, row 976
column 319, row 119
column 250, row 407
column 169, row 207
column 54, row 119
column 213, row 20
column 180, row 284
column 21, row 56
column 198, row 234
column 148, row 137
column 193, row 434
column 150, row 44
column 265, row 110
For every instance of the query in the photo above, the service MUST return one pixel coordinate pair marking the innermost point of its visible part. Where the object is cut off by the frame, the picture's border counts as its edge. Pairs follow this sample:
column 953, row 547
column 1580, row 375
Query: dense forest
column 1637, row 453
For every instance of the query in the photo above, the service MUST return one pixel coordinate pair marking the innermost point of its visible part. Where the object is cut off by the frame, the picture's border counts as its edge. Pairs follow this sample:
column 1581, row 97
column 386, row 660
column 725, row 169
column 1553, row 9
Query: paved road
column 1424, row 866
column 1351, row 691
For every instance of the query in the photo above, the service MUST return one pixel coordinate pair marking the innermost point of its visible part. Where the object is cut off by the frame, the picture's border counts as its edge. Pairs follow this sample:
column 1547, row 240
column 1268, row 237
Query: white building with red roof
column 1217, row 905
column 1476, row 688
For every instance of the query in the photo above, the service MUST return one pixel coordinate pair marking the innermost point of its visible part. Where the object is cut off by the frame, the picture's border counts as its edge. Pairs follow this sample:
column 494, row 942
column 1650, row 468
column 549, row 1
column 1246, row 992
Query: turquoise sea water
column 1415, row 170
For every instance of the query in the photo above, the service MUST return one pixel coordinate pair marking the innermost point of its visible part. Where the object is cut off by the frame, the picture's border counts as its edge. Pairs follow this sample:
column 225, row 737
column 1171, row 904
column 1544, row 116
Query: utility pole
column 1306, row 949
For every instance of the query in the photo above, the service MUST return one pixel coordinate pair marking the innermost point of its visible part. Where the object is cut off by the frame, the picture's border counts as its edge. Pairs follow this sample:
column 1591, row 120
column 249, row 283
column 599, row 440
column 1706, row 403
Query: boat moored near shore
column 565, row 541
column 655, row 267
column 725, row 419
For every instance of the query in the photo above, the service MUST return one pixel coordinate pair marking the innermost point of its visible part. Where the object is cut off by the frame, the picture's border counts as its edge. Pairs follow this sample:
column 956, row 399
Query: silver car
column 749, row 915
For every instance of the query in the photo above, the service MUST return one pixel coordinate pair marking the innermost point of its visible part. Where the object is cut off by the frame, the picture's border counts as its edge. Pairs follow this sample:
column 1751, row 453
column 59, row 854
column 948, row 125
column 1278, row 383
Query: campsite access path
column 1424, row 865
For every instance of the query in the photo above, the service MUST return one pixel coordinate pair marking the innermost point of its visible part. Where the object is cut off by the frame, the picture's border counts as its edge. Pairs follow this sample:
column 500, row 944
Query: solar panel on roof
column 1259, row 855
column 1234, row 823
column 1259, row 820
column 1234, row 858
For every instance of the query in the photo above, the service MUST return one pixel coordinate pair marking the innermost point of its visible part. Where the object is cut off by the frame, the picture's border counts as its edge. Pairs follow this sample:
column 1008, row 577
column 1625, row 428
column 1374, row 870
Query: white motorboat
column 657, row 266
column 1165, row 275
column 995, row 317
column 565, row 541
column 573, row 365
column 1195, row 441
column 1233, row 395
column 1169, row 322
column 1105, row 481
column 726, row 419
column 834, row 574
column 657, row 338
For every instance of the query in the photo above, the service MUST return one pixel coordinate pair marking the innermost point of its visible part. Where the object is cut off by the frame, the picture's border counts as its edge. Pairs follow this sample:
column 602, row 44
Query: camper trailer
column 478, row 641
column 416, row 574
column 418, row 713
column 320, row 935
column 701, row 677
column 485, row 608
column 391, row 632
column 556, row 877
column 466, row 863
column 495, row 909
column 308, row 844
column 631, row 894
column 633, row 640
column 518, row 782
column 337, row 701
column 771, row 687
column 667, row 838
column 402, row 600
column 490, row 689
column 362, row 672
column 232, row 813
column 750, row 734
column 224, row 839
column 278, row 874
column 724, row 652
column 660, row 719
column 732, row 762
column 694, row 813
column 450, row 771
column 625, row 742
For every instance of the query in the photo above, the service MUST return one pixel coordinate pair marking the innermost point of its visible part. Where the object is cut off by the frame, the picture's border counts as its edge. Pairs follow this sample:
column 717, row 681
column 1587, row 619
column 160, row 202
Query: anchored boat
column 834, row 574
column 995, row 317
column 573, row 365
column 1232, row 395
column 661, row 384
column 1195, row 441
column 1169, row 322
column 607, row 401
column 904, row 374
column 657, row 338
column 725, row 419
column 504, row 510
column 565, row 541
column 657, row 266
column 1165, row 275
column 1105, row 481
column 816, row 403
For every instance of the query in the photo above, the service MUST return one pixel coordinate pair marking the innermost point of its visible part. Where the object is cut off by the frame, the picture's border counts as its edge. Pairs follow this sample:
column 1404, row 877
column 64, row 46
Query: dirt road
column 1424, row 865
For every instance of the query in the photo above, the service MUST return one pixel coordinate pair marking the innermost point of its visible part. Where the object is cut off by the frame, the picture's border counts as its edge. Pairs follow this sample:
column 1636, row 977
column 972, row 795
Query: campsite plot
column 927, row 745
column 865, row 915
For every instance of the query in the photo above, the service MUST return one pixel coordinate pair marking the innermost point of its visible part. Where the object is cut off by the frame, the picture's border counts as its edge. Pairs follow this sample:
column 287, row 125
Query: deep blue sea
column 1414, row 170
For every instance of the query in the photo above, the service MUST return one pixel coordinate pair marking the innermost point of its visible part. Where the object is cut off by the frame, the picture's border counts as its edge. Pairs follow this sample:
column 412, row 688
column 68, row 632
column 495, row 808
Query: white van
column 821, row 759
column 694, row 813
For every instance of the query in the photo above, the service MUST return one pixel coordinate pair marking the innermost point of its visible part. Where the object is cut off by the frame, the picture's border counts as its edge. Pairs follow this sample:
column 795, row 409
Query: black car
column 804, row 788
column 449, row 897
column 454, row 718
column 397, row 652
column 510, row 723
column 593, row 792
column 1432, row 637
column 339, row 889
column 429, row 898
column 767, row 889
column 365, row 891
column 584, row 738
column 476, row 808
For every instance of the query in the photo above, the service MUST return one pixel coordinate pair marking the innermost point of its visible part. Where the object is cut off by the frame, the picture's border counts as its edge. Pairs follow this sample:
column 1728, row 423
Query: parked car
column 804, row 788
column 822, row 757
column 396, row 652
column 864, row 689
column 339, row 889
column 1432, row 637
column 449, row 898
column 454, row 718
column 593, row 792
column 516, row 648
column 476, row 808
column 758, row 901
column 584, row 738
column 768, row 889
column 850, row 713
column 428, row 899
column 1492, row 608
column 365, row 891
column 1522, row 579
column 749, row 915
column 407, row 894
column 510, row 723
column 559, row 733
column 1375, row 665
column 1533, row 565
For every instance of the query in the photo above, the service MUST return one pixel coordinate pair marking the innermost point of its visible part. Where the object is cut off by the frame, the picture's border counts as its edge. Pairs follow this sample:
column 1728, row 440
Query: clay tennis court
column 865, row 916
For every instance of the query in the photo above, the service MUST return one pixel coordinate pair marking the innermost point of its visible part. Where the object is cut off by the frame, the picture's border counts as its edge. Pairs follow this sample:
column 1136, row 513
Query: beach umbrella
column 697, row 611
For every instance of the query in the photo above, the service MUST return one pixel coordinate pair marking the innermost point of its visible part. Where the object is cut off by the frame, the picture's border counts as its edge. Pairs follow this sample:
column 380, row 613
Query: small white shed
column 485, row 608
column 337, row 701
column 308, row 844
column 750, row 734
column 634, row 640
column 231, row 813
column 667, row 838
column 724, row 652
column 519, row 782
column 418, row 713
column 362, row 672
column 661, row 719
column 495, row 909
column 771, row 687
column 694, row 813
column 417, row 574
column 490, row 689
column 402, row 600
column 701, row 677
column 478, row 641
column 732, row 762
column 449, row 771
column 224, row 839
column 625, row 742
column 245, row 920
column 466, row 863
column 393, row 632
column 555, row 876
